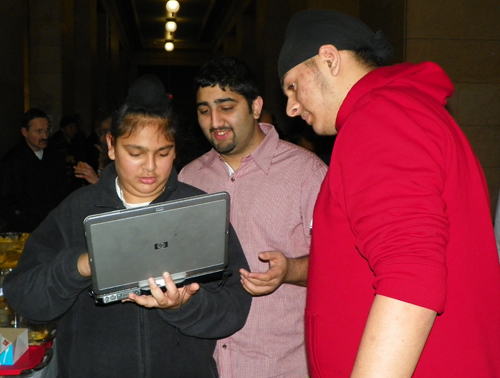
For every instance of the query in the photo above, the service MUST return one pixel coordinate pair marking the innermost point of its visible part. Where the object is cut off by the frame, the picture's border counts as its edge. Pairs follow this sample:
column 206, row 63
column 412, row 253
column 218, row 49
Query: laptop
column 187, row 238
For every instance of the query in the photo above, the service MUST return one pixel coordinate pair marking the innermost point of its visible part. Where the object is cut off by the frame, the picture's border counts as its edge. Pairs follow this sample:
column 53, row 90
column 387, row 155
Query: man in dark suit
column 31, row 176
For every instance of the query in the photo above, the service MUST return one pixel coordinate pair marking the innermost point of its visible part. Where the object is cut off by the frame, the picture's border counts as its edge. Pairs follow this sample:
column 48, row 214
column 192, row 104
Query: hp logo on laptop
column 161, row 245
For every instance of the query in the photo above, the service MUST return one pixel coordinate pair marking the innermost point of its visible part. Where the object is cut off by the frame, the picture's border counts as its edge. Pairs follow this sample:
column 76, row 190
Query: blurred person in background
column 32, row 176
column 96, row 155
column 95, row 141
column 70, row 145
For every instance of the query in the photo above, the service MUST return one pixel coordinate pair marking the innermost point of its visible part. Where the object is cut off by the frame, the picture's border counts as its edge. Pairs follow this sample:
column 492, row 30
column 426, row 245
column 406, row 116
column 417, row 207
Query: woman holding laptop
column 170, row 333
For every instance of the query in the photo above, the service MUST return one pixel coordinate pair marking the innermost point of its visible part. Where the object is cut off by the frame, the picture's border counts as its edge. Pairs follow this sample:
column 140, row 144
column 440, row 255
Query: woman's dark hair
column 229, row 72
column 146, row 103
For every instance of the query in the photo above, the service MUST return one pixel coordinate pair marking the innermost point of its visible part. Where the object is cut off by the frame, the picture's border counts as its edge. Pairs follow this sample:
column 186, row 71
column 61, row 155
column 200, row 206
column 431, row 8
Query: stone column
column 45, row 48
column 463, row 37
column 13, row 20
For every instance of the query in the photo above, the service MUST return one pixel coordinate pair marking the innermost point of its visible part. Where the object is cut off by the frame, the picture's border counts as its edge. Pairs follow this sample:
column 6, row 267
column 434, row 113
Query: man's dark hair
column 368, row 57
column 229, row 72
column 32, row 114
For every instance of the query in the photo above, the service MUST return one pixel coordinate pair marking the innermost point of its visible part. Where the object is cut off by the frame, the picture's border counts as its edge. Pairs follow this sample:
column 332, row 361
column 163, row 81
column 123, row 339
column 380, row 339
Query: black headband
column 308, row 30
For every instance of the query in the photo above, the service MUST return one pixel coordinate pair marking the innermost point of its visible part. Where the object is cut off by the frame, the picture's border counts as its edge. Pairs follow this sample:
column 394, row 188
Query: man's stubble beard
column 224, row 147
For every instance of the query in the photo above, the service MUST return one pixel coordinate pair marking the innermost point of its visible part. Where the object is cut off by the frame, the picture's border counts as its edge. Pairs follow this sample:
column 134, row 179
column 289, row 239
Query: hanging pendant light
column 171, row 26
column 173, row 6
column 169, row 46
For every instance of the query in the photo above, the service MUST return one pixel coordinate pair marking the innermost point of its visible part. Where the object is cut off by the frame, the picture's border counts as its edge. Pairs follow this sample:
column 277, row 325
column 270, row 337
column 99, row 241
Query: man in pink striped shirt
column 273, row 186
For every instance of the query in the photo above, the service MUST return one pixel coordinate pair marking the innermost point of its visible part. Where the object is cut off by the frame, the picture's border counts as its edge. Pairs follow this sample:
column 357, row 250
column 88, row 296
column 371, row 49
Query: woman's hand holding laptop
column 83, row 265
column 173, row 297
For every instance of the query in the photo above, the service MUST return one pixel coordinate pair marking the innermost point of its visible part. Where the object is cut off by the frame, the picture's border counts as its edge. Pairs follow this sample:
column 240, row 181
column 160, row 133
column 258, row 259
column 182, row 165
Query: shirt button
column 233, row 179
column 224, row 346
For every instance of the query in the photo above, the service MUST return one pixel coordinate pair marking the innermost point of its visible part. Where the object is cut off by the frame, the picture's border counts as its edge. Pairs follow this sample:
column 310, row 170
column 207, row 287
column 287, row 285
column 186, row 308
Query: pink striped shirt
column 273, row 193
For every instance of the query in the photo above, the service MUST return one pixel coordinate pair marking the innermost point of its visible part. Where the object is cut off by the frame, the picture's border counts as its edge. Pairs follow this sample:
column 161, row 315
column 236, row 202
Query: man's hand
column 172, row 298
column 281, row 270
column 83, row 265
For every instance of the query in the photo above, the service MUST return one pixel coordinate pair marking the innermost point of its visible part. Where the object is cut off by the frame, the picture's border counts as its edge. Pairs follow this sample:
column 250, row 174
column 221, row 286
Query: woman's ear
column 329, row 56
column 111, row 146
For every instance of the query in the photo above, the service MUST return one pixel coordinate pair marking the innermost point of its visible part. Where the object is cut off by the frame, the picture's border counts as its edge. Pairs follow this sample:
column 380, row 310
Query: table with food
column 40, row 336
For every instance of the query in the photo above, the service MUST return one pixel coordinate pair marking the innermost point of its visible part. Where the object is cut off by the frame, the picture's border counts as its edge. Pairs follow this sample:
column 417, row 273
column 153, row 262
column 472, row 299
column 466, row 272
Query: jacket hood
column 423, row 79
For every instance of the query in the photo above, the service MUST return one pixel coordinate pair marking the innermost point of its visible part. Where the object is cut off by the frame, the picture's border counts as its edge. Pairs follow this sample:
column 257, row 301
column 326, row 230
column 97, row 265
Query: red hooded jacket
column 404, row 212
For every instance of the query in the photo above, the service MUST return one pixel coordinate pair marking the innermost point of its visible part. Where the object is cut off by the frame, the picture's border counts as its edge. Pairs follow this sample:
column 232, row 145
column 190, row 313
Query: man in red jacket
column 404, row 278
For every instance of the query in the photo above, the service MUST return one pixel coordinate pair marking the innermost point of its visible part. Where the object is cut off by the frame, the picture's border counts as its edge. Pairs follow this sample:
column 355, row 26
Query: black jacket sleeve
column 46, row 282
column 219, row 308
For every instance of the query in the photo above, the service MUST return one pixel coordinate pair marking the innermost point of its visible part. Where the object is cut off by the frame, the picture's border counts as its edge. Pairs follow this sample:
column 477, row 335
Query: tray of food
column 41, row 334
column 11, row 247
column 35, row 358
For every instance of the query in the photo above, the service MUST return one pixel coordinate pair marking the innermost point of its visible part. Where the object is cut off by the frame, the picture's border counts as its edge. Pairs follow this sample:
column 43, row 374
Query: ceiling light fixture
column 173, row 6
column 169, row 46
column 171, row 26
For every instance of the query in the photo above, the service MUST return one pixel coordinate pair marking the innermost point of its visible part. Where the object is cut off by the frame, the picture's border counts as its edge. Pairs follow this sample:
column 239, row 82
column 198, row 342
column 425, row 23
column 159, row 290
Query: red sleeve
column 393, row 178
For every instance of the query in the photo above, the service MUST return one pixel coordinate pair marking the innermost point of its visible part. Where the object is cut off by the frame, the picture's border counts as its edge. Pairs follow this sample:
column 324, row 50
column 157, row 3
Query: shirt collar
column 39, row 153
